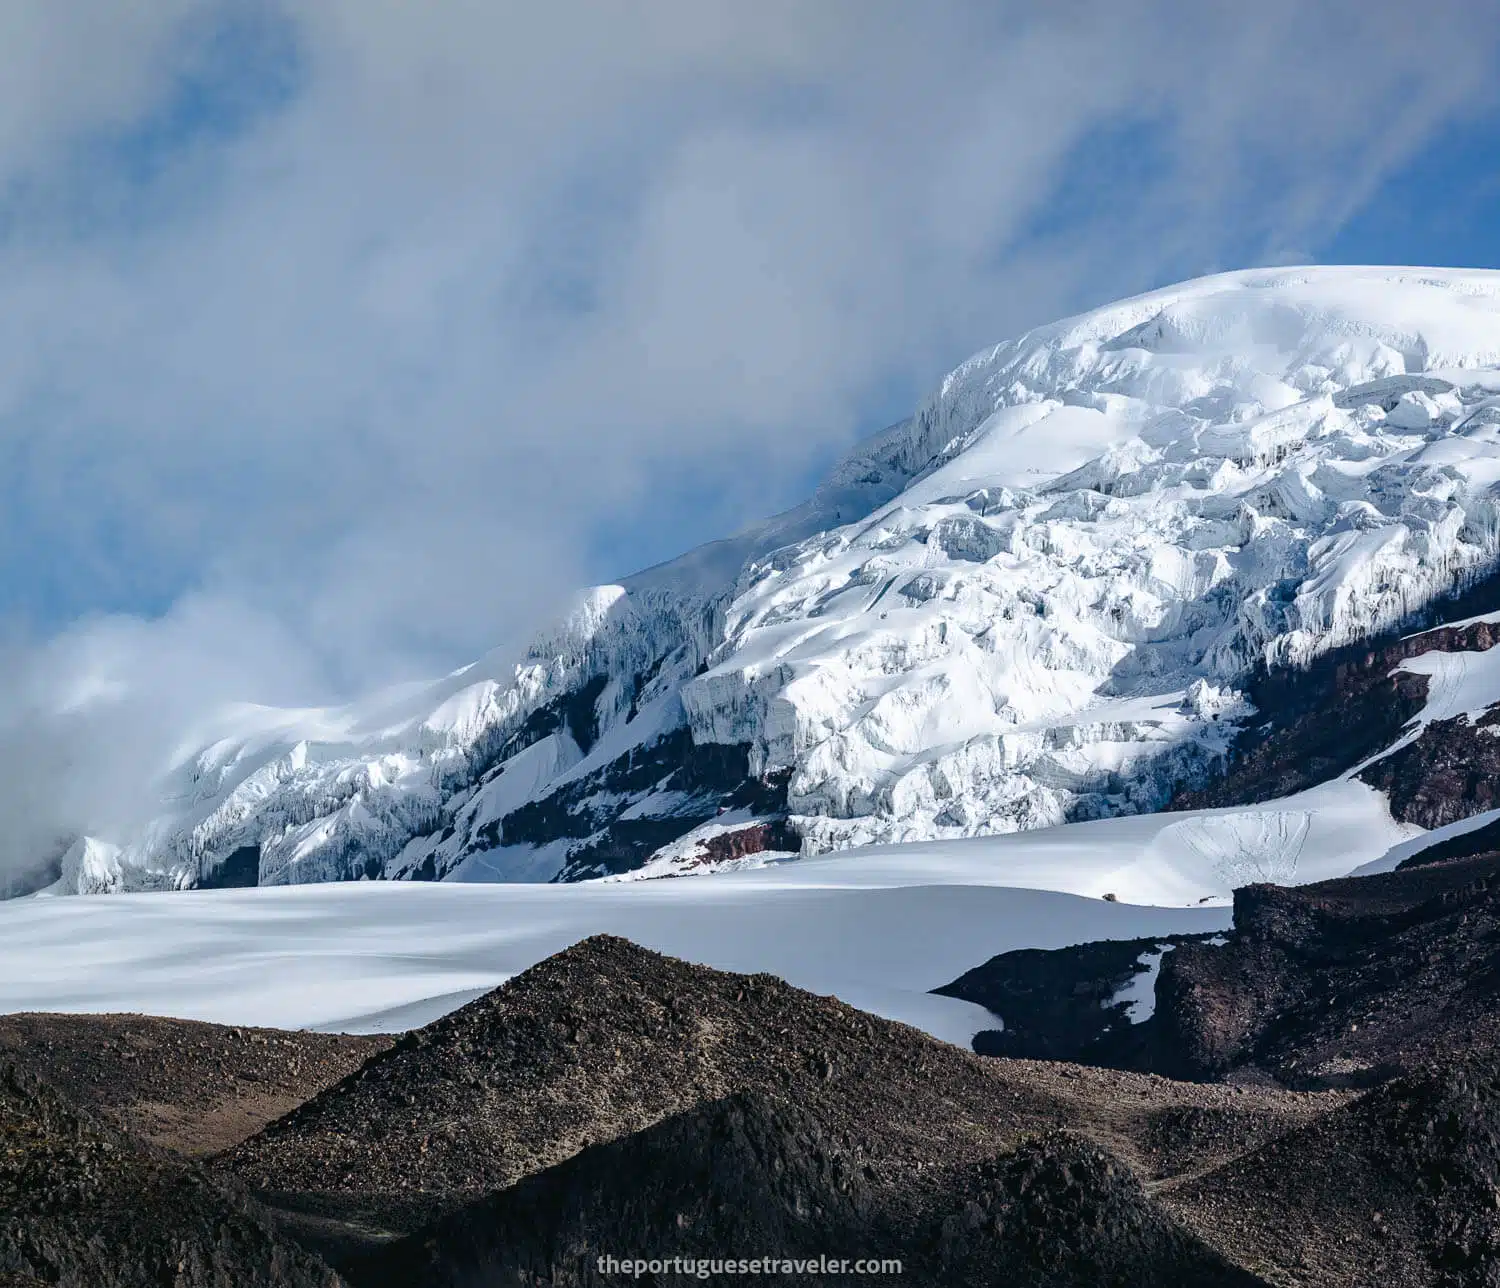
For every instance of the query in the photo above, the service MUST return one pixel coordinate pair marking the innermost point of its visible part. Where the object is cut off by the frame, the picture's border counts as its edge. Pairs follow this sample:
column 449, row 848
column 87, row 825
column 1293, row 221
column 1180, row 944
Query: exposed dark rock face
column 1340, row 984
column 696, row 783
column 576, row 711
column 752, row 1175
column 1352, row 704
column 755, row 838
column 693, row 783
column 1058, row 1004
column 712, row 778
column 82, row 1206
column 768, row 835
column 239, row 871
column 1451, row 772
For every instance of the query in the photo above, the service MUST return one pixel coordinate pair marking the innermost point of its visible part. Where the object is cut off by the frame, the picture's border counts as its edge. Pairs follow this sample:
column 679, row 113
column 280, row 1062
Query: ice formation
column 1034, row 601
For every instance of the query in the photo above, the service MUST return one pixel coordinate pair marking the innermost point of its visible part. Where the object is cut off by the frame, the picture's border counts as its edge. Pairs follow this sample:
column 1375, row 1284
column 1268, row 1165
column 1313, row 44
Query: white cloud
column 354, row 322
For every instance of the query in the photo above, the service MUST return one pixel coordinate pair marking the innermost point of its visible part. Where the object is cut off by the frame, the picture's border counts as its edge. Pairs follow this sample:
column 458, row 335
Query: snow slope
column 1412, row 846
column 877, row 927
column 1033, row 602
column 377, row 956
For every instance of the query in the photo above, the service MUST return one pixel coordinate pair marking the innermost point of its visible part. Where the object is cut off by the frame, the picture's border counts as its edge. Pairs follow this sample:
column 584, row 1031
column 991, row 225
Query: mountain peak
column 1002, row 613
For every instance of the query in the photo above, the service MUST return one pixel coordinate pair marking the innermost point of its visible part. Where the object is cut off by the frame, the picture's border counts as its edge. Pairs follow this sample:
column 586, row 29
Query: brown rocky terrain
column 189, row 1087
column 757, row 1175
column 614, row 1101
column 1407, row 1175
column 85, row 1206
column 607, row 1039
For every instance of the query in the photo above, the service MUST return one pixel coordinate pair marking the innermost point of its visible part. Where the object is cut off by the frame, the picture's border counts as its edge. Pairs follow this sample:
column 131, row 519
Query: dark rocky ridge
column 590, row 1045
column 1342, row 983
column 1480, row 842
column 754, row 1175
column 84, row 1206
column 607, row 1039
column 614, row 1101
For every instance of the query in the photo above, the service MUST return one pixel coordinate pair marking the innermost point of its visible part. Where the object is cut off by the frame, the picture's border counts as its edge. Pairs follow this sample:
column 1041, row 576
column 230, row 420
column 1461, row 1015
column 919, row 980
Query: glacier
column 877, row 927
column 1034, row 602
column 377, row 957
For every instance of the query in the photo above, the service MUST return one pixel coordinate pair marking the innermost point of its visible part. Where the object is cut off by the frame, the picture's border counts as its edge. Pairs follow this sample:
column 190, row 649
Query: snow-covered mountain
column 1038, row 600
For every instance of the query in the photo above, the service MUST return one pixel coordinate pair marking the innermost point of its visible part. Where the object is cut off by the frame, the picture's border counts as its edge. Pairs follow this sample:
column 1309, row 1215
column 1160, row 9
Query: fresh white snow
column 1399, row 853
column 1033, row 601
column 877, row 927
column 1015, row 638
column 1139, row 993
column 373, row 956
column 1185, row 858
column 1463, row 683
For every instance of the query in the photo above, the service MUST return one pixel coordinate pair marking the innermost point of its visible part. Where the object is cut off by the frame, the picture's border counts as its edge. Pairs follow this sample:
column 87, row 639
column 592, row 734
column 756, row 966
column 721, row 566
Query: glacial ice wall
column 1034, row 601
column 1121, row 516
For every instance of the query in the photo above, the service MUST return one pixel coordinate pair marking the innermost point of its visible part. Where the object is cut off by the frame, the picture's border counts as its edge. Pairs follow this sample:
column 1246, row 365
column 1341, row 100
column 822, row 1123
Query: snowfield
column 877, row 927
column 376, row 956
column 929, row 716
column 1032, row 603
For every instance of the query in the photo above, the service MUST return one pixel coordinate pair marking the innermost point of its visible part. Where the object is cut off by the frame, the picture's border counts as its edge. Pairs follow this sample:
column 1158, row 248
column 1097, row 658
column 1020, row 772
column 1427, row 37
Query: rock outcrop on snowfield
column 1038, row 600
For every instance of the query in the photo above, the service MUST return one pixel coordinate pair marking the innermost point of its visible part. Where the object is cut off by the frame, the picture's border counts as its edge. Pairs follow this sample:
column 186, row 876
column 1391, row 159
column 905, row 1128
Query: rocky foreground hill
column 614, row 1102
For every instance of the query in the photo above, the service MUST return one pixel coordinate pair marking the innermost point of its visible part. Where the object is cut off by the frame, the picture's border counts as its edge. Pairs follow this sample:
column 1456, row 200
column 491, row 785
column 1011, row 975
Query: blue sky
column 1439, row 208
column 341, row 340
column 362, row 333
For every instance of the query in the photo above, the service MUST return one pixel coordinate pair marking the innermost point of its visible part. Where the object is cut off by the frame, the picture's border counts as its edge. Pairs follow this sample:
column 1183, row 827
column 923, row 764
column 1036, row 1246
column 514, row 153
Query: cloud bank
column 339, row 339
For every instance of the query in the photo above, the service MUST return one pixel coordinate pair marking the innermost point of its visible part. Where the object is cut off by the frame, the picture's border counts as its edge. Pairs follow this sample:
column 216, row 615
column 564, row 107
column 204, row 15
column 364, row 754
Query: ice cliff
column 1034, row 601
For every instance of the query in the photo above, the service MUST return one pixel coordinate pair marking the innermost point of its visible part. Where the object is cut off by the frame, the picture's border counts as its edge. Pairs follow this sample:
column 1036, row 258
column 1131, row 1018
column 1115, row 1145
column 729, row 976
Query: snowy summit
column 1036, row 601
